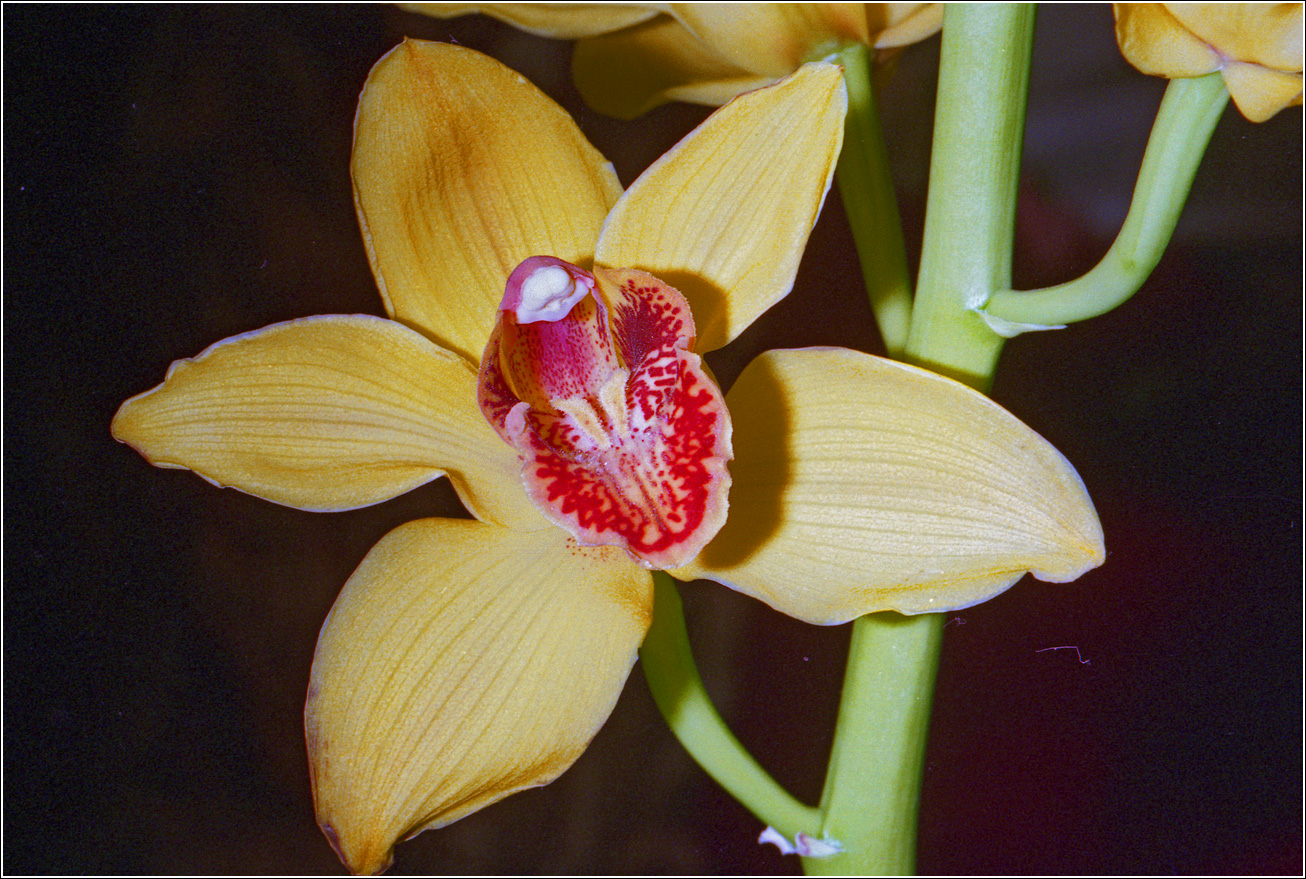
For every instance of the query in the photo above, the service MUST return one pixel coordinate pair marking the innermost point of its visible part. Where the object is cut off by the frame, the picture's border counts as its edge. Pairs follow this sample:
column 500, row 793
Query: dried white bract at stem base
column 803, row 844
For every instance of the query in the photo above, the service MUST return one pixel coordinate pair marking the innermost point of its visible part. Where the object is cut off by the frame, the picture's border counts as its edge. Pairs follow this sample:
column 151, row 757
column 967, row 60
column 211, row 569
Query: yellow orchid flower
column 466, row 659
column 1257, row 47
column 632, row 57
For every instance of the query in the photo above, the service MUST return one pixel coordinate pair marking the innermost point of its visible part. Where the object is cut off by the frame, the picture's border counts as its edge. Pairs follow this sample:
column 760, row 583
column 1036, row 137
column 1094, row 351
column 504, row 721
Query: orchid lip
column 623, row 436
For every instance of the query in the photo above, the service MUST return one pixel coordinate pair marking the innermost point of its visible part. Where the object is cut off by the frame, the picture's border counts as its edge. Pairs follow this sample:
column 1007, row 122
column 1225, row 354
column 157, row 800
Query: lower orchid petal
column 862, row 484
column 329, row 413
column 660, row 492
column 462, row 662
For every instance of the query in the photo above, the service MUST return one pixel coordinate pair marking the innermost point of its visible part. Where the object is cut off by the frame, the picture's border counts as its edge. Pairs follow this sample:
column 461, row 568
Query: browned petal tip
column 367, row 862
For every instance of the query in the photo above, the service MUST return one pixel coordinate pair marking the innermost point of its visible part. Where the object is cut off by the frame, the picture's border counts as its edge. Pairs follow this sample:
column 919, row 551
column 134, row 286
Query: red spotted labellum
column 624, row 437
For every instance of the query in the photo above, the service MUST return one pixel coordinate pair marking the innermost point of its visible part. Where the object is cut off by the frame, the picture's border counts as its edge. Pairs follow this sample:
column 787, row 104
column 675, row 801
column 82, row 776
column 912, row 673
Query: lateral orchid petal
column 731, row 207
column 453, row 191
column 1155, row 42
column 462, row 662
column 328, row 413
column 863, row 484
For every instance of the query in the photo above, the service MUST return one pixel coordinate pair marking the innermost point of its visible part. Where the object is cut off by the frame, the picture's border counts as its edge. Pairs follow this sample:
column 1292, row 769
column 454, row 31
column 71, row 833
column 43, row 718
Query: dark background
column 173, row 176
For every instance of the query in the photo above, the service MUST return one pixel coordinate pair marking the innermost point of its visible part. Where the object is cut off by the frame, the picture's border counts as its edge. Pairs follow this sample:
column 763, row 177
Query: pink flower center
column 624, row 437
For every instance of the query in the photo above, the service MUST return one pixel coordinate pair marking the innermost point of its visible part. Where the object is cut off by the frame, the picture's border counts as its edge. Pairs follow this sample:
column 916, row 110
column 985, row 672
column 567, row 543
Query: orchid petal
column 631, row 71
column 773, row 38
column 730, row 207
column 329, row 413
column 1155, row 42
column 462, row 169
column 563, row 21
column 1258, row 48
column 1260, row 92
column 901, row 24
column 1268, row 34
column 863, row 484
column 462, row 662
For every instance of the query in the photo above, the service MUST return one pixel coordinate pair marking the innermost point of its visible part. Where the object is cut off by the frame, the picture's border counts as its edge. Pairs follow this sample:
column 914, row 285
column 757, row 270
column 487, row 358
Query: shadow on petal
column 762, row 426
column 708, row 302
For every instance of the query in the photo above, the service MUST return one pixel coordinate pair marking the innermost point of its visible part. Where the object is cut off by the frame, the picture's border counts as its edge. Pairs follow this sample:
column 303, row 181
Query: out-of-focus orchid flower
column 1257, row 47
column 632, row 57
column 540, row 353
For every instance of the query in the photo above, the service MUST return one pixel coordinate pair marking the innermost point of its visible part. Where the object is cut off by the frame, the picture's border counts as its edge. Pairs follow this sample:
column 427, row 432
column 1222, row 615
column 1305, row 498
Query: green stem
column 873, row 783
column 866, row 187
column 668, row 665
column 1179, row 137
column 974, row 170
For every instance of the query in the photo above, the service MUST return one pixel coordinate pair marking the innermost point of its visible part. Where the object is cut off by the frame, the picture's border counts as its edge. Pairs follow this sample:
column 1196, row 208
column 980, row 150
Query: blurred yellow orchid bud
column 632, row 57
column 1256, row 47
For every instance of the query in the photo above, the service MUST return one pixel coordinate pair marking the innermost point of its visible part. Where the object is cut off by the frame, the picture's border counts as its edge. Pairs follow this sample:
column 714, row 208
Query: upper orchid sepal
column 623, row 436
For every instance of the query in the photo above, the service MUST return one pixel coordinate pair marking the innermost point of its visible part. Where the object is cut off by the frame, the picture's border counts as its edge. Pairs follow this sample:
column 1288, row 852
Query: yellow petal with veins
column 862, row 484
column 631, row 71
column 724, row 216
column 462, row 169
column 329, row 413
column 462, row 662
column 563, row 21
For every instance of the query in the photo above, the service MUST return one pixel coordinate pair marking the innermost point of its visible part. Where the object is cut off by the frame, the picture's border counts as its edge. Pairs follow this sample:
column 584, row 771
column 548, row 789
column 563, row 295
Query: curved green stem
column 1178, row 141
column 866, row 187
column 668, row 665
